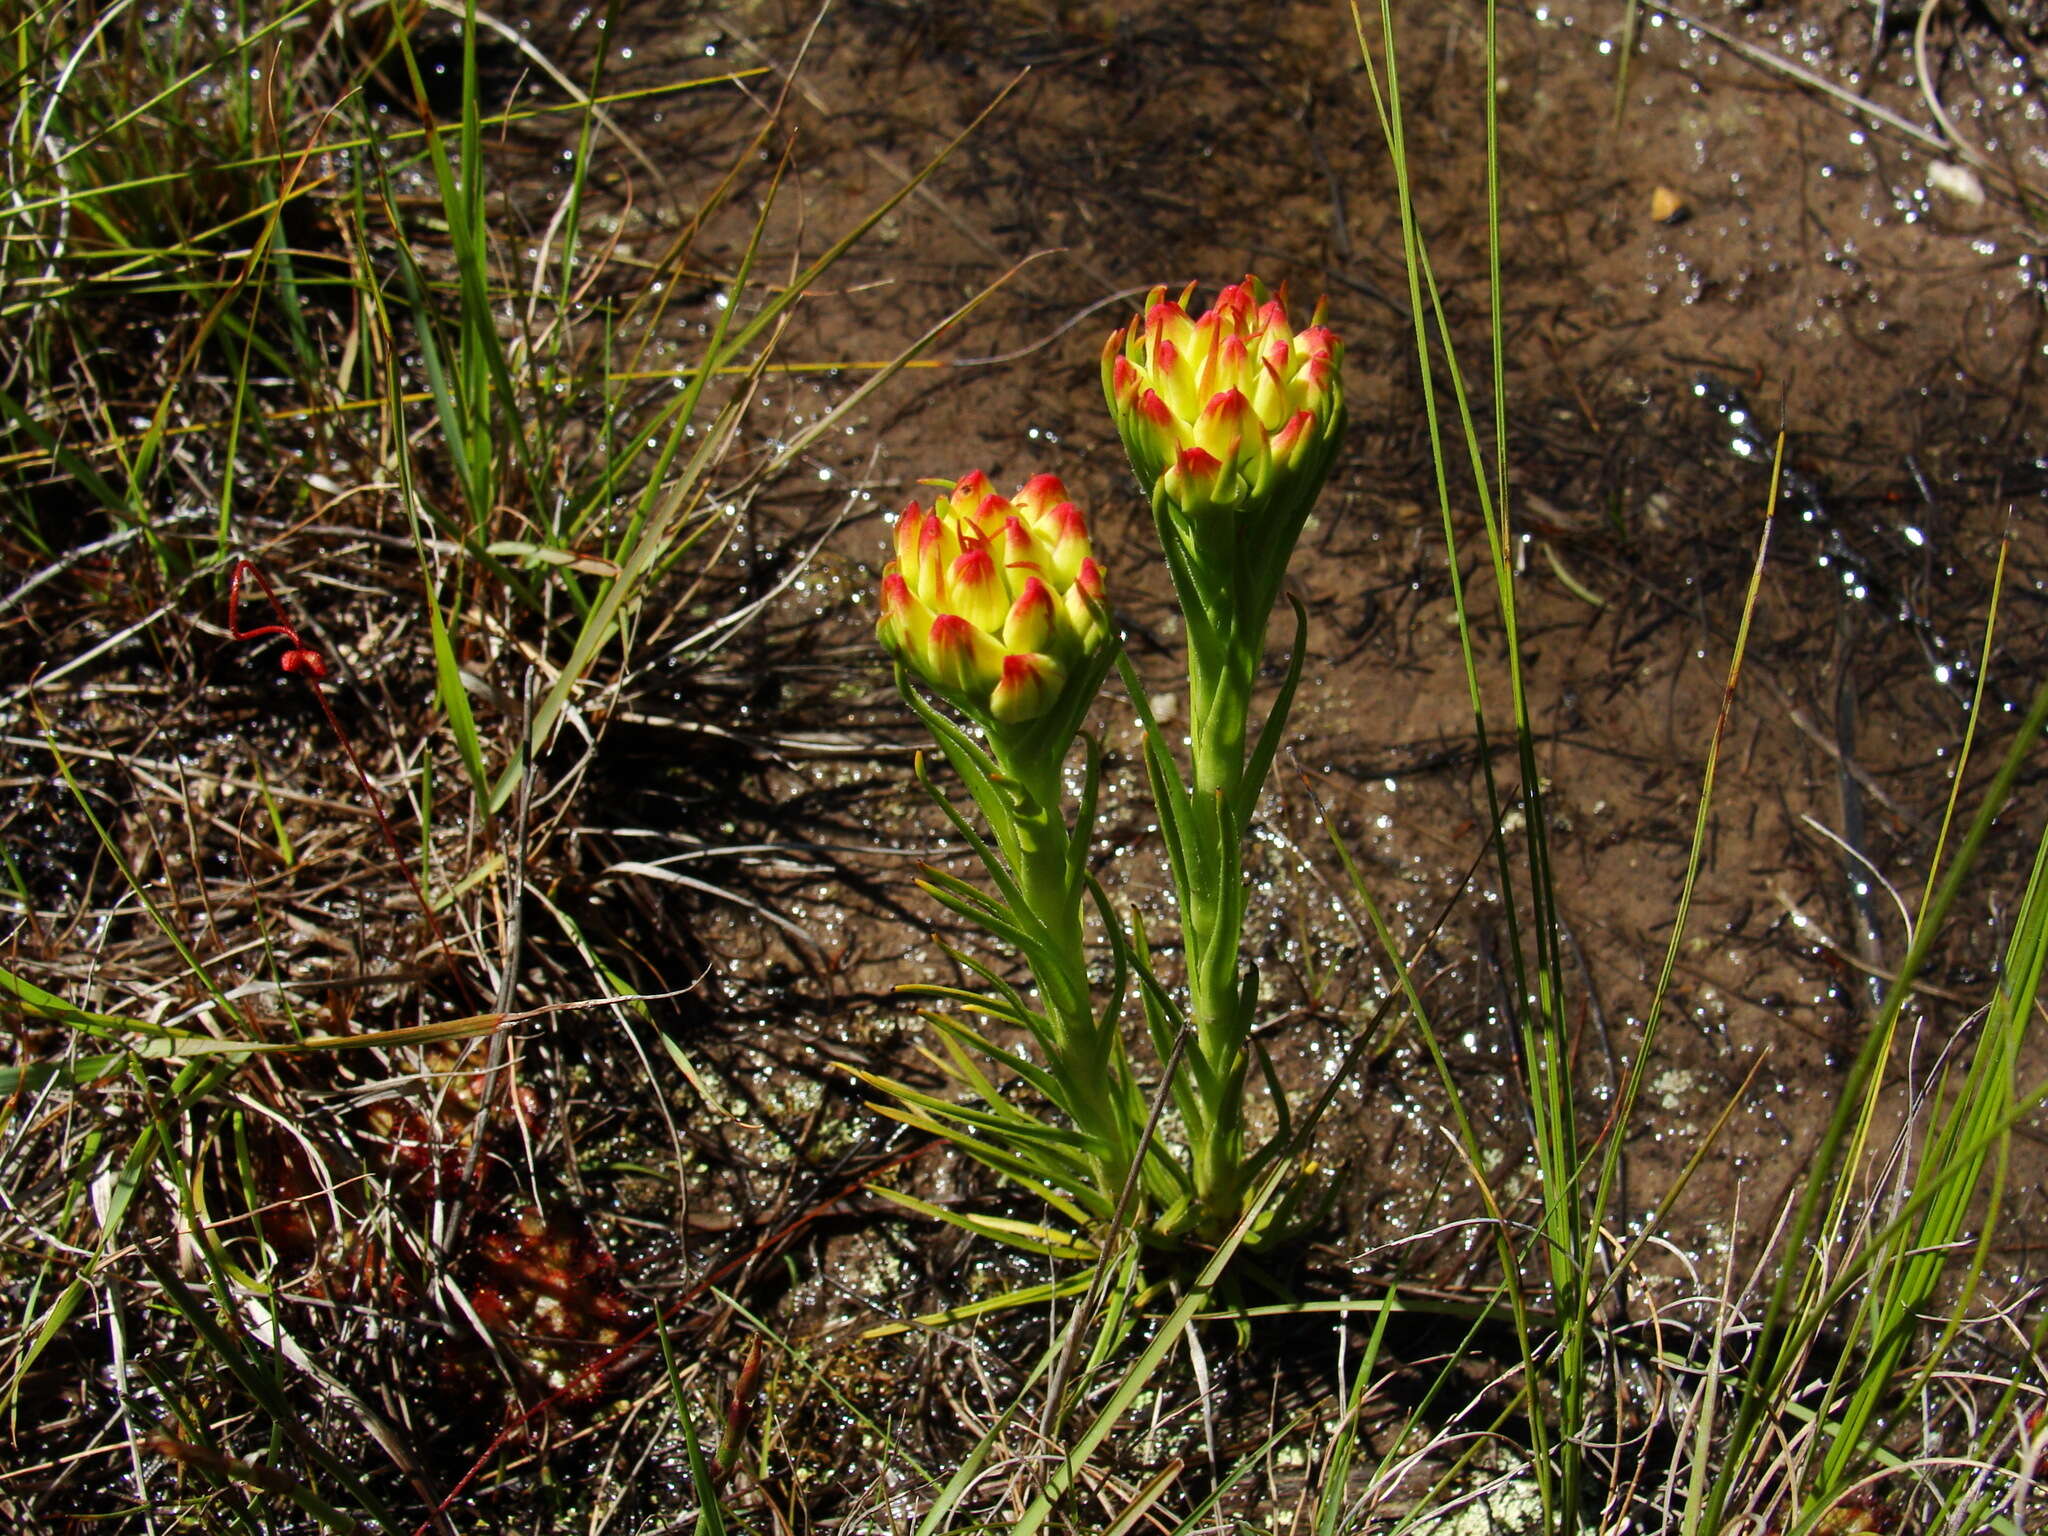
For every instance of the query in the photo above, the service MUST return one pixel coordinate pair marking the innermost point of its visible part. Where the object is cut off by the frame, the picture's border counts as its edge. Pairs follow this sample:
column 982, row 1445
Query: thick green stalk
column 1219, row 700
column 1042, row 857
column 1227, row 586
column 1042, row 863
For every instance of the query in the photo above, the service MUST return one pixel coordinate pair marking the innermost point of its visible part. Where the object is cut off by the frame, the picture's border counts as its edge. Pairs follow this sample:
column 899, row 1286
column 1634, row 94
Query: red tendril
column 302, row 661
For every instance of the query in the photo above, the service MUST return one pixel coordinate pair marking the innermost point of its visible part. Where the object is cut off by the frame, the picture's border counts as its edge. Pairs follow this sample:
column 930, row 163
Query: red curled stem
column 302, row 661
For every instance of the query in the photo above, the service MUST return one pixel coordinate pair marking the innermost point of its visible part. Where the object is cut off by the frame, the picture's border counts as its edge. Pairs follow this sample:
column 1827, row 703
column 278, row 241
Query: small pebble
column 1668, row 206
column 1957, row 181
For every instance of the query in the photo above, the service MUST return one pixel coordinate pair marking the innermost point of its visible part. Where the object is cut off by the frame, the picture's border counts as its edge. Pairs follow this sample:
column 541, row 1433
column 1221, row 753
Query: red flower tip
column 1236, row 302
column 1318, row 341
column 1043, row 489
column 1034, row 595
column 1162, row 314
column 1065, row 532
column 1018, row 550
column 1224, row 421
column 1066, row 522
column 1289, row 438
column 1027, row 688
column 975, row 589
column 927, row 557
column 1154, row 410
column 909, row 531
column 973, row 565
column 1028, row 626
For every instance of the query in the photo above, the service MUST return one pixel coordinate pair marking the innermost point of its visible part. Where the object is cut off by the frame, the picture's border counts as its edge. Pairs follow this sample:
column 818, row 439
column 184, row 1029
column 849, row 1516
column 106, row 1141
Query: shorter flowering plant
column 996, row 607
column 1231, row 421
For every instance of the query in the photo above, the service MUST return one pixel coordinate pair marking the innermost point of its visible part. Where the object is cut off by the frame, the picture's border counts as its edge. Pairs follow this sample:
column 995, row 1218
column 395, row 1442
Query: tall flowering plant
column 1231, row 421
column 995, row 611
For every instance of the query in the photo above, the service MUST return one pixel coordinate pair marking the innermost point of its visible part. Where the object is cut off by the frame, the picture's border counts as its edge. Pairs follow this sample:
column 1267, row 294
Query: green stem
column 1227, row 573
column 1085, row 1045
column 1219, row 700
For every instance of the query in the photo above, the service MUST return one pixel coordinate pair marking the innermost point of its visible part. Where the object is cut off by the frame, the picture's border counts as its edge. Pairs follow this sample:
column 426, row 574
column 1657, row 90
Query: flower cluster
column 995, row 613
column 1230, row 411
column 994, row 601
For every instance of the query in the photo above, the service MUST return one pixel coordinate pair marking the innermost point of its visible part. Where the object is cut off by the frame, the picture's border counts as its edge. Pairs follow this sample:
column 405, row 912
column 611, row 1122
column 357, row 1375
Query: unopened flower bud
column 1230, row 412
column 995, row 602
column 1028, row 688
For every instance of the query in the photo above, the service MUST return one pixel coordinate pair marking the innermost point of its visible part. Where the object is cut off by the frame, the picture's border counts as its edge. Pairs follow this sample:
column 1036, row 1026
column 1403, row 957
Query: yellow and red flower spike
column 1231, row 410
column 995, row 601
